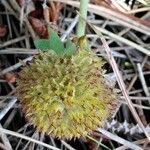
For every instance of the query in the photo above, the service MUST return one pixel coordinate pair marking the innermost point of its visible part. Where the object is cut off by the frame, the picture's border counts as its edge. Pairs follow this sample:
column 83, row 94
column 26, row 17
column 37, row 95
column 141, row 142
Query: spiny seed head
column 66, row 97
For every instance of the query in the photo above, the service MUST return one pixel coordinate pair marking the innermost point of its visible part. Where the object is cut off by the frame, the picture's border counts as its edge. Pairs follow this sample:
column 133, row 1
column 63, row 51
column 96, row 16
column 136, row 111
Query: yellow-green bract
column 66, row 97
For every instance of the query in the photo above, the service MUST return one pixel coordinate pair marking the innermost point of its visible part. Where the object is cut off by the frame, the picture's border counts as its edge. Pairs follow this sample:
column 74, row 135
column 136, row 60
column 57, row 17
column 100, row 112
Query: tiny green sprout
column 54, row 43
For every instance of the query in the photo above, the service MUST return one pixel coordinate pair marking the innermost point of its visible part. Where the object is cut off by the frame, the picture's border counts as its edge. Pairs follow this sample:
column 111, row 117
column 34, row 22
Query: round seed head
column 66, row 97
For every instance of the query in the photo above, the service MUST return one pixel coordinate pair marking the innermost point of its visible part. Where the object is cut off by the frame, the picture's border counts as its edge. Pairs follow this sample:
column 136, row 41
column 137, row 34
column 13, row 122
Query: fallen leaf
column 37, row 13
column 10, row 77
column 3, row 30
column 39, row 27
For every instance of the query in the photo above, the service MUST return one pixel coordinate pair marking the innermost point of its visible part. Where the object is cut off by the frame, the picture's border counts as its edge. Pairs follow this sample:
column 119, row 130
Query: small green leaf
column 42, row 44
column 70, row 48
column 53, row 43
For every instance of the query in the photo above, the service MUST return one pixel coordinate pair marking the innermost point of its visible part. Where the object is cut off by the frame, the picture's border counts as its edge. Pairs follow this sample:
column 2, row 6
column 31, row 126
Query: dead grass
column 124, row 45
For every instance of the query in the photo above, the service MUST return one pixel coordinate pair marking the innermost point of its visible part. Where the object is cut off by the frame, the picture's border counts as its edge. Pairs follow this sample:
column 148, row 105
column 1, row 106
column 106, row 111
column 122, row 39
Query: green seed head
column 66, row 97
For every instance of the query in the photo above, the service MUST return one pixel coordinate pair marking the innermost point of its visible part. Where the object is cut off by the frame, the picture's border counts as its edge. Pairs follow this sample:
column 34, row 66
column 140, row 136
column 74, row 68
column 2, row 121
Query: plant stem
column 83, row 12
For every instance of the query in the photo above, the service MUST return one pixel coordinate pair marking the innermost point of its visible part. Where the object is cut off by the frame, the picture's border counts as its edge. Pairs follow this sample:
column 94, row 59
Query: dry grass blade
column 5, row 140
column 119, row 79
column 27, row 138
column 70, row 28
column 143, row 82
column 67, row 145
column 137, row 106
column 119, row 17
column 10, row 42
column 139, row 10
column 17, row 8
column 14, row 67
column 123, row 40
column 18, row 51
column 120, row 140
column 143, row 141
column 142, row 1
column 7, row 108
column 127, row 37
